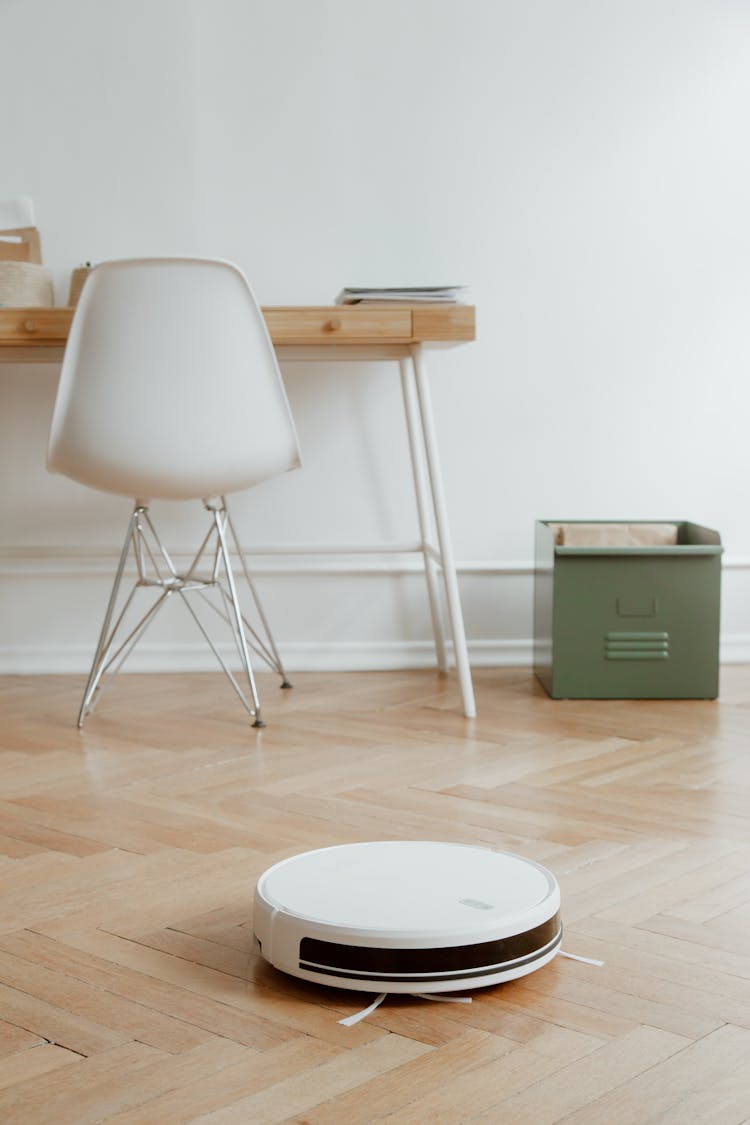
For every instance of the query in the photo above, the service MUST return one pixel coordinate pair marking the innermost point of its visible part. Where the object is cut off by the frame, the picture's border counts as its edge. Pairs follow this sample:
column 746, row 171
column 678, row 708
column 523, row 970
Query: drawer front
column 636, row 626
column 327, row 325
column 34, row 326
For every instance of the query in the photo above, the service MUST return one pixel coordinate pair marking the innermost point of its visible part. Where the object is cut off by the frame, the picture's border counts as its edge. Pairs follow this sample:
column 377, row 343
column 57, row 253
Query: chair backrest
column 19, row 238
column 170, row 387
column 21, row 244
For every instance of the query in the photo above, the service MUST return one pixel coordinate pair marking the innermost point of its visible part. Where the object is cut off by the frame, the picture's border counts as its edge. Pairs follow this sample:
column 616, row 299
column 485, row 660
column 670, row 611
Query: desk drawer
column 327, row 325
column 35, row 325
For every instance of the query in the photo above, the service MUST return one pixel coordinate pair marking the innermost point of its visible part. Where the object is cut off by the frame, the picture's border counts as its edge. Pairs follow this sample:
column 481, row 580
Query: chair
column 170, row 390
column 19, row 239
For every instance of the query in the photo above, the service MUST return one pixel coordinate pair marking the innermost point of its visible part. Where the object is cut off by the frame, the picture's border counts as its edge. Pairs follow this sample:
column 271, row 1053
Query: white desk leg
column 444, row 539
column 422, row 498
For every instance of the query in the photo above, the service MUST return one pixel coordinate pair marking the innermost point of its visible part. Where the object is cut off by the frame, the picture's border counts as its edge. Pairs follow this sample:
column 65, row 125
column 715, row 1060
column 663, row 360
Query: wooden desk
column 352, row 332
column 39, row 335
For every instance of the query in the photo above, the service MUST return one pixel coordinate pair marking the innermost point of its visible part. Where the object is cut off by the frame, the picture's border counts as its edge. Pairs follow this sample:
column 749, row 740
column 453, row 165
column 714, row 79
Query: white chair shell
column 170, row 390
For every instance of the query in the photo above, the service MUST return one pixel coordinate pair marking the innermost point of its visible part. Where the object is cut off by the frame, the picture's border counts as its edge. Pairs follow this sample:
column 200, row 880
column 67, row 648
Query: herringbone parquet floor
column 129, row 990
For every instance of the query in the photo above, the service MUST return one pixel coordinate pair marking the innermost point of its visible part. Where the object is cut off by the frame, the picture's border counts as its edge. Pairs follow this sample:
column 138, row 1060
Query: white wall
column 583, row 166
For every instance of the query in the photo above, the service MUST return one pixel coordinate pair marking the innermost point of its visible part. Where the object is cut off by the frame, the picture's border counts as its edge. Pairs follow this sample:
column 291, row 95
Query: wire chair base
column 210, row 572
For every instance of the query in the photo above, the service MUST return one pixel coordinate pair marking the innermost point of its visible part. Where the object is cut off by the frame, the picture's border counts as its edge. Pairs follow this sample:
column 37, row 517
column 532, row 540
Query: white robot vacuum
column 407, row 916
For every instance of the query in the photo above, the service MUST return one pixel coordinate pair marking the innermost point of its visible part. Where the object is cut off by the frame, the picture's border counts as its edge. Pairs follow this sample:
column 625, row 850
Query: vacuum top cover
column 408, row 886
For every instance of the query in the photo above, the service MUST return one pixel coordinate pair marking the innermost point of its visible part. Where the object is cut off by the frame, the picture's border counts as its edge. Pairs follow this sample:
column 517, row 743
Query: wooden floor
column 129, row 990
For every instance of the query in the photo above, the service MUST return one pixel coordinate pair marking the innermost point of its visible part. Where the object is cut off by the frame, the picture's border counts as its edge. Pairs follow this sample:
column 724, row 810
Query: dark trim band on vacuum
column 359, row 962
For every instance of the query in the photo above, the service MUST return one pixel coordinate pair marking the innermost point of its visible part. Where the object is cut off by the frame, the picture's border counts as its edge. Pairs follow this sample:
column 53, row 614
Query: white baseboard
column 735, row 649
column 41, row 565
column 71, row 562
column 304, row 656
column 300, row 657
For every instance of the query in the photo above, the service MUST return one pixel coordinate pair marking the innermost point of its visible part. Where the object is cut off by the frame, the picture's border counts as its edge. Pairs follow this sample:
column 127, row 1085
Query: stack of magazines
column 432, row 294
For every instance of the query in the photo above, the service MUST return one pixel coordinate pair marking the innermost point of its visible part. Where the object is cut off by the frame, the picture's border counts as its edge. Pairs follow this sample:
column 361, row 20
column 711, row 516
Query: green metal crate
column 628, row 622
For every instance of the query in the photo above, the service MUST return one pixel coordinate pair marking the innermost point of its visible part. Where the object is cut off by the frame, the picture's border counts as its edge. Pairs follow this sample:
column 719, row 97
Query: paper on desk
column 429, row 294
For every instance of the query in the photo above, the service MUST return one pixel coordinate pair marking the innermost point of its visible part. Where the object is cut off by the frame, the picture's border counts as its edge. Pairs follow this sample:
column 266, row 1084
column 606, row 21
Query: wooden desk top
column 39, row 334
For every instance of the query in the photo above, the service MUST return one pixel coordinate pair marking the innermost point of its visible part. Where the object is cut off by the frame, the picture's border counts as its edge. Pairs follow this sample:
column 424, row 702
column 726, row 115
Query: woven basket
column 25, row 284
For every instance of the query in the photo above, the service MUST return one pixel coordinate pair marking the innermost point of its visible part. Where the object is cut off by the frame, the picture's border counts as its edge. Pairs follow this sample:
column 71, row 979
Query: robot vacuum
column 407, row 916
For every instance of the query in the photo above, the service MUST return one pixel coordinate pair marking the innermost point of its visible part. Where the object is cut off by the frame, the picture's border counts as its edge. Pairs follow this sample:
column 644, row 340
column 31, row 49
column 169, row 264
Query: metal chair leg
column 210, row 570
column 219, row 516
column 259, row 607
column 104, row 643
